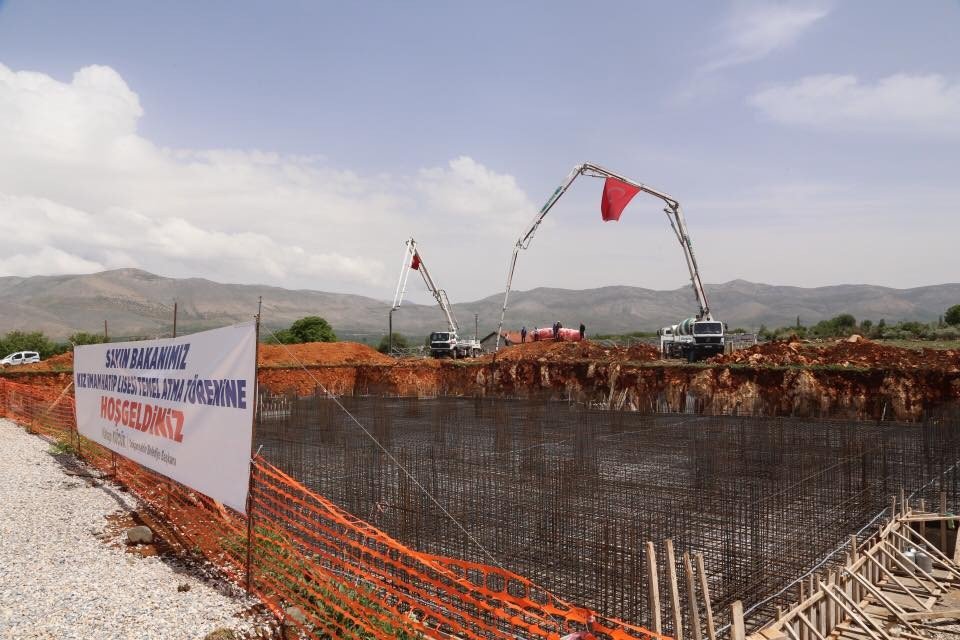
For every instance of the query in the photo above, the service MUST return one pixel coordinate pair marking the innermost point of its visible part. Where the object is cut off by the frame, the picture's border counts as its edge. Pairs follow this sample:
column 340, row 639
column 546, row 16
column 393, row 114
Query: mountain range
column 137, row 303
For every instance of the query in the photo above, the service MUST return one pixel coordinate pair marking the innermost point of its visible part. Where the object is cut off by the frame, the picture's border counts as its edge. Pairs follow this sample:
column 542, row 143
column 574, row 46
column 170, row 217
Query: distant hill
column 137, row 303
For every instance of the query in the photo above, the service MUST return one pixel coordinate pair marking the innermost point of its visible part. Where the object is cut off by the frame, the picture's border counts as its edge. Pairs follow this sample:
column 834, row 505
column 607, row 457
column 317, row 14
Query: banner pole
column 253, row 440
column 169, row 481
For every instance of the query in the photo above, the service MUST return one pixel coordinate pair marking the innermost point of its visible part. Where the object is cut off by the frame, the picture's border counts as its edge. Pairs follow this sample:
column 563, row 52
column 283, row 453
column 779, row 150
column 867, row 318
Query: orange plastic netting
column 346, row 577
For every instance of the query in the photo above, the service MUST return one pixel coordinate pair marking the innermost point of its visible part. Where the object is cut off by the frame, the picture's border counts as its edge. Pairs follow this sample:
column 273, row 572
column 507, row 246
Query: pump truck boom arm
column 674, row 215
column 411, row 257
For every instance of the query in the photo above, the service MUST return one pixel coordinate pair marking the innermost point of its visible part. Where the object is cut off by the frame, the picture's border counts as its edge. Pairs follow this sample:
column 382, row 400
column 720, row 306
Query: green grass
column 922, row 344
column 62, row 448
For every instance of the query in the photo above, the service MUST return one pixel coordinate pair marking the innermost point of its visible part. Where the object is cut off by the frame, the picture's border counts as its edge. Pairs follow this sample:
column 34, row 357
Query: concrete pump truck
column 442, row 343
column 694, row 338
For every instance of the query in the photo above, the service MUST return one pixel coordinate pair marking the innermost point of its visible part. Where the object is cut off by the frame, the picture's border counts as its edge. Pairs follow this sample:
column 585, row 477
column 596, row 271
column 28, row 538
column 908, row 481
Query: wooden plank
column 736, row 621
column 936, row 552
column 791, row 632
column 901, row 562
column 831, row 618
column 930, row 517
column 708, row 607
column 654, row 582
column 887, row 603
column 886, row 571
column 933, row 615
column 674, row 590
column 943, row 525
column 923, row 523
column 816, row 633
column 956, row 550
column 692, row 597
column 819, row 616
column 846, row 631
column 902, row 600
column 862, row 619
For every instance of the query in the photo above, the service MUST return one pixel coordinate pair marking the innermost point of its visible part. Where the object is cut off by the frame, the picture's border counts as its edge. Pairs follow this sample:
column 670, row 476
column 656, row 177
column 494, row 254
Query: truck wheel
column 691, row 356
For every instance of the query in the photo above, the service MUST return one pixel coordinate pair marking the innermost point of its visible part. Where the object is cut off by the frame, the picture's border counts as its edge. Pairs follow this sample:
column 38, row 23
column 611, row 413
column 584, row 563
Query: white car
column 21, row 357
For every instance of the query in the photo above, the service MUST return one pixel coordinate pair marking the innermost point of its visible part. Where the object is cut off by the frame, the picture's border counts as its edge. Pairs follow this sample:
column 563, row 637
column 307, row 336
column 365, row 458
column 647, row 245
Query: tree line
column 308, row 329
column 947, row 327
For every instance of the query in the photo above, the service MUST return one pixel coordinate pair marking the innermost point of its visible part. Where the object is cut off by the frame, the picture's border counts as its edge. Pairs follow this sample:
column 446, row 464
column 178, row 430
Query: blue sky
column 299, row 143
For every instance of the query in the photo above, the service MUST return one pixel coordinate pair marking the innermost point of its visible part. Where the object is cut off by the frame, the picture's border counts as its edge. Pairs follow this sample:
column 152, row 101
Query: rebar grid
column 567, row 495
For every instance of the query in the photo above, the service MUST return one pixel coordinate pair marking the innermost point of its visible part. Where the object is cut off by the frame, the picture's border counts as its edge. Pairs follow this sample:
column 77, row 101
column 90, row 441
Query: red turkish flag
column 416, row 262
column 616, row 195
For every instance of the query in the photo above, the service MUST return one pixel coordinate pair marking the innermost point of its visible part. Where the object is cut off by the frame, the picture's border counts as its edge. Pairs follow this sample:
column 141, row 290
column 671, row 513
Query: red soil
column 863, row 354
column 567, row 351
column 272, row 355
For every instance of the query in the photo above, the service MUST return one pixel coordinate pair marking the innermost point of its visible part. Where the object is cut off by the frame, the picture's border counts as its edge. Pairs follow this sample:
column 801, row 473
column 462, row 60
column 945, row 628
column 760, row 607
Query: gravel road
column 58, row 580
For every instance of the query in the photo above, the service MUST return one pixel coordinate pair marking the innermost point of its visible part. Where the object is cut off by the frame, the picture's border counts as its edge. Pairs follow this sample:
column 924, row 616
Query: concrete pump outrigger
column 700, row 337
column 442, row 343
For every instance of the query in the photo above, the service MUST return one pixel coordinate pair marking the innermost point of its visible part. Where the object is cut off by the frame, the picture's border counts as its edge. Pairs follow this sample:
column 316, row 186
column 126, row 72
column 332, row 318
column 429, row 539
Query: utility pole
column 174, row 317
column 476, row 326
column 390, row 332
column 106, row 334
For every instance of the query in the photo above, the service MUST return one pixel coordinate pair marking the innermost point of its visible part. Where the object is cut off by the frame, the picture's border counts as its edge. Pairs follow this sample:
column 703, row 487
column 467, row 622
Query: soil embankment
column 860, row 379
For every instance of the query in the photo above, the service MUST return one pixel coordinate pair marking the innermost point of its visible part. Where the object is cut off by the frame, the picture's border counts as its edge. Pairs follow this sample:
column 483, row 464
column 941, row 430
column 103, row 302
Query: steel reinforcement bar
column 347, row 577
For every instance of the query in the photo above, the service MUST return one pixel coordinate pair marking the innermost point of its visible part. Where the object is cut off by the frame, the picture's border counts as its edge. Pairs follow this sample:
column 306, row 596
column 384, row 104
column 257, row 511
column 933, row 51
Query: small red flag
column 616, row 195
column 416, row 262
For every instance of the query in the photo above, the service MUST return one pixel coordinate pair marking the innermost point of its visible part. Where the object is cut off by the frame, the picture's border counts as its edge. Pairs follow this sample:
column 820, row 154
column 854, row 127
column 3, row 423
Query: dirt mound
column 643, row 353
column 861, row 353
column 877, row 356
column 776, row 353
column 62, row 362
column 568, row 351
column 274, row 355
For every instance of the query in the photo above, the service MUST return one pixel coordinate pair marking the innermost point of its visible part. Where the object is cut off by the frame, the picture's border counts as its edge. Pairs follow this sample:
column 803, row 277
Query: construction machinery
column 442, row 343
column 694, row 338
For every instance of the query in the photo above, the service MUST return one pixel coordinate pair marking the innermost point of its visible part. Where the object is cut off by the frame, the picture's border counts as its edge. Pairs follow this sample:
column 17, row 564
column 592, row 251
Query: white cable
column 390, row 455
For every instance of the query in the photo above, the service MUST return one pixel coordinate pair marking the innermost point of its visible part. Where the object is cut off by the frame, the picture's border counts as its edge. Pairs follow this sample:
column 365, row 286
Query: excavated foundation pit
column 567, row 495
column 836, row 391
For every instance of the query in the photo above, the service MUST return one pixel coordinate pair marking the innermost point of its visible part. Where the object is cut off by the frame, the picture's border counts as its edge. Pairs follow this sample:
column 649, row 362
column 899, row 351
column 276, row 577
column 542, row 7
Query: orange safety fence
column 347, row 578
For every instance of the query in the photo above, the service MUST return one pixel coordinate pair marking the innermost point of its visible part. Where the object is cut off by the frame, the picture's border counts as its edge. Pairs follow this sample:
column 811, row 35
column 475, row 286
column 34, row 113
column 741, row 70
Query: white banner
column 182, row 406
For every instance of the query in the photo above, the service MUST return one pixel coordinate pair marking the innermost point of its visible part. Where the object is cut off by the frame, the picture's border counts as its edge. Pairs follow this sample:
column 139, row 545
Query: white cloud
column 755, row 30
column 81, row 190
column 50, row 238
column 900, row 103
column 481, row 197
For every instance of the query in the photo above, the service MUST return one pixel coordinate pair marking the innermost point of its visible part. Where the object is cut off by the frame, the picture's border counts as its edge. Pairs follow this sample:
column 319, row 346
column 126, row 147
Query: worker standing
column 583, row 331
column 523, row 334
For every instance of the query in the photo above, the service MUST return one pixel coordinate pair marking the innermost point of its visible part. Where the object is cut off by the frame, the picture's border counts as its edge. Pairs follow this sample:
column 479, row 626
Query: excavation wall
column 784, row 390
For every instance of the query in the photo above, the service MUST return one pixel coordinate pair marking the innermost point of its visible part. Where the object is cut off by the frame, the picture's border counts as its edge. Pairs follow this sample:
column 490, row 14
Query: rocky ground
column 66, row 571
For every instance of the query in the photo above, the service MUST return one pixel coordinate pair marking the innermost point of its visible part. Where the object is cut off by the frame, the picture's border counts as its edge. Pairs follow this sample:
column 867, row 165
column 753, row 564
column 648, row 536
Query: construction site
column 568, row 496
column 683, row 486
column 579, row 466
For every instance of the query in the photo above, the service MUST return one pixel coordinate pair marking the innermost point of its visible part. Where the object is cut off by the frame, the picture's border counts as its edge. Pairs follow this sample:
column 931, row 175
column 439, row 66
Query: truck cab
column 708, row 338
column 692, row 339
column 447, row 343
column 443, row 343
